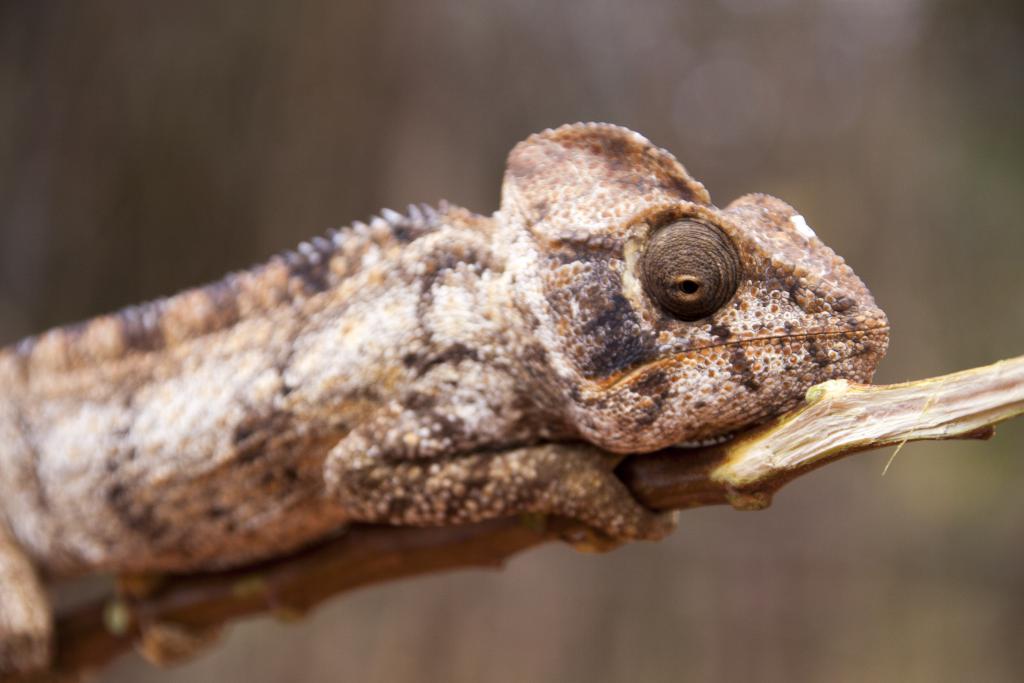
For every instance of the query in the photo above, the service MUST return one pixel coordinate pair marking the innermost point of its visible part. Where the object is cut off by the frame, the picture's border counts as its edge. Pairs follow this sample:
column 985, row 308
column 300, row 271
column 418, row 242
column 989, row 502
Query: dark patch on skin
column 314, row 275
column 251, row 452
column 791, row 286
column 536, row 356
column 721, row 331
column 817, row 354
column 243, row 431
column 441, row 262
column 406, row 229
column 251, row 435
column 453, row 354
column 616, row 340
column 618, row 151
column 113, row 462
column 626, row 155
column 648, row 413
column 654, row 384
column 139, row 517
column 680, row 186
column 781, row 282
column 619, row 147
column 742, row 370
column 843, row 304
column 397, row 508
column 116, row 493
column 536, row 409
column 610, row 336
column 418, row 400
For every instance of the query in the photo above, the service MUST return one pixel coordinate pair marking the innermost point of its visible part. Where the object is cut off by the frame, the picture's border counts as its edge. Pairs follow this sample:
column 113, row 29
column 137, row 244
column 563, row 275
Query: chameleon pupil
column 690, row 269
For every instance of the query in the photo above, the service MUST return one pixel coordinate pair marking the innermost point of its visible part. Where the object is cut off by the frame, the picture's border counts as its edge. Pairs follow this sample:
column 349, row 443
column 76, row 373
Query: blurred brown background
column 145, row 147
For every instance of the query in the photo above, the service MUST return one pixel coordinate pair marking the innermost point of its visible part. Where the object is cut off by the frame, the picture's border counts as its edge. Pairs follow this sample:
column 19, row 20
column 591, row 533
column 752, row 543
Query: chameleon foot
column 575, row 482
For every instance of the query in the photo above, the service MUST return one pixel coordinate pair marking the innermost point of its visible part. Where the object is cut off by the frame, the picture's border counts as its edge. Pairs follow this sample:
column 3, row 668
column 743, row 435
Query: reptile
column 422, row 368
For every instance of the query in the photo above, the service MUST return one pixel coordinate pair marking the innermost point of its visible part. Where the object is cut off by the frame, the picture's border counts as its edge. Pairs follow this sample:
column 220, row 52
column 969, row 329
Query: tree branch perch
column 837, row 419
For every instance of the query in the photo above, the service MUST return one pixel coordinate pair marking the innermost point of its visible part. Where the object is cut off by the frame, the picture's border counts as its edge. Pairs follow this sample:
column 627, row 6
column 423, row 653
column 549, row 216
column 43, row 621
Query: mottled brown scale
column 416, row 369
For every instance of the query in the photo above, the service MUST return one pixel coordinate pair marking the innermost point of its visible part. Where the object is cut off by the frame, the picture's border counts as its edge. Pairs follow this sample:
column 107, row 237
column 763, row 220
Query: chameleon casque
column 416, row 370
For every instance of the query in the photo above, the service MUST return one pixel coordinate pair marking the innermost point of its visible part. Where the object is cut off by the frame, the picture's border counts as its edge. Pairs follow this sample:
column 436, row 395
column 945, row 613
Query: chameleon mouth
column 612, row 383
column 661, row 423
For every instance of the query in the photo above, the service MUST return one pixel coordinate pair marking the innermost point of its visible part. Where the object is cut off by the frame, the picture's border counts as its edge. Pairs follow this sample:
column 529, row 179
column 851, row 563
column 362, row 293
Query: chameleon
column 430, row 367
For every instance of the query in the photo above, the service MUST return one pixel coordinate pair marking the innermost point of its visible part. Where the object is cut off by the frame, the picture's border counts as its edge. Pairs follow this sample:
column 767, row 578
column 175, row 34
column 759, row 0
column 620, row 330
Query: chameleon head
column 664, row 319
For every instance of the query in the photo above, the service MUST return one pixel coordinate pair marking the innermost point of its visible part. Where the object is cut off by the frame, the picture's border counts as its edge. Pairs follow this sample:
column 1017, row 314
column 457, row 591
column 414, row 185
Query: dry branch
column 837, row 419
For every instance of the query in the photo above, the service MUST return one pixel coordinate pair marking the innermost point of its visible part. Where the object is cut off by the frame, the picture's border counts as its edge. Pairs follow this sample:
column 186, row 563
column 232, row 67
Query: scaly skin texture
column 413, row 370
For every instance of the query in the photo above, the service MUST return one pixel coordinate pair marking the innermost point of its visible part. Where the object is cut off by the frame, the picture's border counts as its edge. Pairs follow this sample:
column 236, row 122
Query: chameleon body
column 416, row 369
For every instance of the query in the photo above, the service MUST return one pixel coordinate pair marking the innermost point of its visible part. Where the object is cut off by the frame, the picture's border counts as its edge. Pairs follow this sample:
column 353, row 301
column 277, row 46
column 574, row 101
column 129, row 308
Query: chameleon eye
column 690, row 269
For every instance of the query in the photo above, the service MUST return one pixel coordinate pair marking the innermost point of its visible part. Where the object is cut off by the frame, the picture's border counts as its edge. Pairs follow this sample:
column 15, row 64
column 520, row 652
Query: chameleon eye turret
column 691, row 269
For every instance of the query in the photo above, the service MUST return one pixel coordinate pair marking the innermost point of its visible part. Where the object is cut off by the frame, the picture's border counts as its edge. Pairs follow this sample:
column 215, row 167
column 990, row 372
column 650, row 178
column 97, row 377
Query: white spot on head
column 801, row 226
